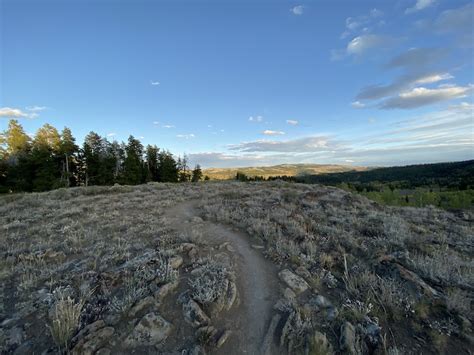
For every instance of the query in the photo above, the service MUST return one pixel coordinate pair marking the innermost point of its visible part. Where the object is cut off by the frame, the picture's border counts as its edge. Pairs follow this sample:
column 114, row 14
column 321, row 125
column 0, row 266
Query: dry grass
column 119, row 238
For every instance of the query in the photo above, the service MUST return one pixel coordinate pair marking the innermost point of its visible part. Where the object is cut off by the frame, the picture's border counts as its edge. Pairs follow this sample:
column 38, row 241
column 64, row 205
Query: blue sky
column 239, row 83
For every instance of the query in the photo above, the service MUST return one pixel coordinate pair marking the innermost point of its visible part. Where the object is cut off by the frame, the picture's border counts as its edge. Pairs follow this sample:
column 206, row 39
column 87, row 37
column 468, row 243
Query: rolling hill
column 279, row 170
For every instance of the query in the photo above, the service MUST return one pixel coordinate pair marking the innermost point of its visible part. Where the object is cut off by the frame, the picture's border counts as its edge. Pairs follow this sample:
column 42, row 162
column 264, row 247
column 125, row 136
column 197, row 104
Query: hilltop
column 279, row 170
column 231, row 268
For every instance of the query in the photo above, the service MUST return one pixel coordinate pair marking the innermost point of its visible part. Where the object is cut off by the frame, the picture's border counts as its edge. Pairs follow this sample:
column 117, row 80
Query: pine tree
column 197, row 174
column 69, row 150
column 46, row 159
column 133, row 168
column 91, row 152
column 152, row 162
column 167, row 168
column 15, row 138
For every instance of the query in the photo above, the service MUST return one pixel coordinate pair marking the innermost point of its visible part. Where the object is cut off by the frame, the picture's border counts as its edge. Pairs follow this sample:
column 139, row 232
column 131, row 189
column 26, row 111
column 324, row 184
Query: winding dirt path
column 257, row 282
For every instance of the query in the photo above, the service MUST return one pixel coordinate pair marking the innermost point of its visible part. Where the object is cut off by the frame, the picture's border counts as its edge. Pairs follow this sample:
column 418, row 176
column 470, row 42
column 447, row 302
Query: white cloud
column 433, row 78
column 154, row 83
column 292, row 122
column 256, row 118
column 422, row 96
column 361, row 44
column 156, row 122
column 419, row 5
column 168, row 126
column 36, row 108
column 186, row 136
column 299, row 145
column 111, row 134
column 297, row 10
column 269, row 132
column 357, row 104
column 16, row 113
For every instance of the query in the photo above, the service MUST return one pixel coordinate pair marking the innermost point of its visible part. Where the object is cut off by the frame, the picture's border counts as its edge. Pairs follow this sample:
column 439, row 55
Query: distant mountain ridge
column 280, row 170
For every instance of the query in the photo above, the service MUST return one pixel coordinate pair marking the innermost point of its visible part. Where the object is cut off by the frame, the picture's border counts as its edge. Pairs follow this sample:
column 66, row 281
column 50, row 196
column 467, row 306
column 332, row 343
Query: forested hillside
column 52, row 159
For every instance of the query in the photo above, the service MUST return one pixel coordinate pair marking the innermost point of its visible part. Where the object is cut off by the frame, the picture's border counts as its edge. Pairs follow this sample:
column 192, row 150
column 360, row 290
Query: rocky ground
column 257, row 268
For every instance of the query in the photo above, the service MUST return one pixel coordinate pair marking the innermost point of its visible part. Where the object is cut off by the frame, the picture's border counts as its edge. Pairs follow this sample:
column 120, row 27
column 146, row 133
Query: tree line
column 52, row 159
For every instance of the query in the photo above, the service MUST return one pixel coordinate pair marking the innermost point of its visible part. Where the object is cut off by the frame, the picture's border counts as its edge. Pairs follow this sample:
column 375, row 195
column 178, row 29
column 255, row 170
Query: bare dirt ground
column 257, row 280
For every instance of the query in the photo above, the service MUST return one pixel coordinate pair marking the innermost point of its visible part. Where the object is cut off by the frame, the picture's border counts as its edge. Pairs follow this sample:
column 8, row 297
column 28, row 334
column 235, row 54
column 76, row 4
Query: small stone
column 223, row 338
column 303, row 272
column 194, row 314
column 319, row 344
column 295, row 282
column 347, row 340
column 164, row 290
column 322, row 301
column 93, row 342
column 231, row 295
column 289, row 294
column 151, row 330
column 141, row 305
column 258, row 247
column 176, row 261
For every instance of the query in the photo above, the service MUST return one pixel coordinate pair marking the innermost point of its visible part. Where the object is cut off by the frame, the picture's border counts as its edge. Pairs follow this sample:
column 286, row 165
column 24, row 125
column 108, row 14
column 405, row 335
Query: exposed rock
column 347, row 340
column 144, row 303
column 321, row 301
column 93, row 342
column 268, row 340
column 187, row 247
column 206, row 334
column 151, row 330
column 223, row 338
column 89, row 329
column 176, row 261
column 258, row 247
column 303, row 272
column 164, row 290
column 103, row 351
column 319, row 344
column 193, row 314
column 289, row 294
column 193, row 254
column 295, row 282
column 230, row 249
column 231, row 295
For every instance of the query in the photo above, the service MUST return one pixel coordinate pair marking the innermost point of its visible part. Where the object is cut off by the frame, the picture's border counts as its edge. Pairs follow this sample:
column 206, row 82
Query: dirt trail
column 257, row 282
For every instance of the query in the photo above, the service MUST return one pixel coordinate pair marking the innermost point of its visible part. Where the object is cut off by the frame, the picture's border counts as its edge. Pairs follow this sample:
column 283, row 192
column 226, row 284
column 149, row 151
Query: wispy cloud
column 154, row 83
column 269, row 132
column 361, row 44
column 419, row 5
column 111, row 134
column 292, row 122
column 256, row 118
column 297, row 10
column 357, row 104
column 422, row 96
column 186, row 136
column 168, row 126
column 36, row 108
column 300, row 145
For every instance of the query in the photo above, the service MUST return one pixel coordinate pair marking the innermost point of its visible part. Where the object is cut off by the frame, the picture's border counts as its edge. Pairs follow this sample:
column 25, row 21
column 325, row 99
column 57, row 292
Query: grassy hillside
column 455, row 174
column 445, row 185
column 278, row 170
column 144, row 269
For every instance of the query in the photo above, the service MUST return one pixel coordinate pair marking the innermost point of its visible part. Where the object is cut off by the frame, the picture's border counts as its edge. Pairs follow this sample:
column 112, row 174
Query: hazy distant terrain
column 231, row 268
column 279, row 170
